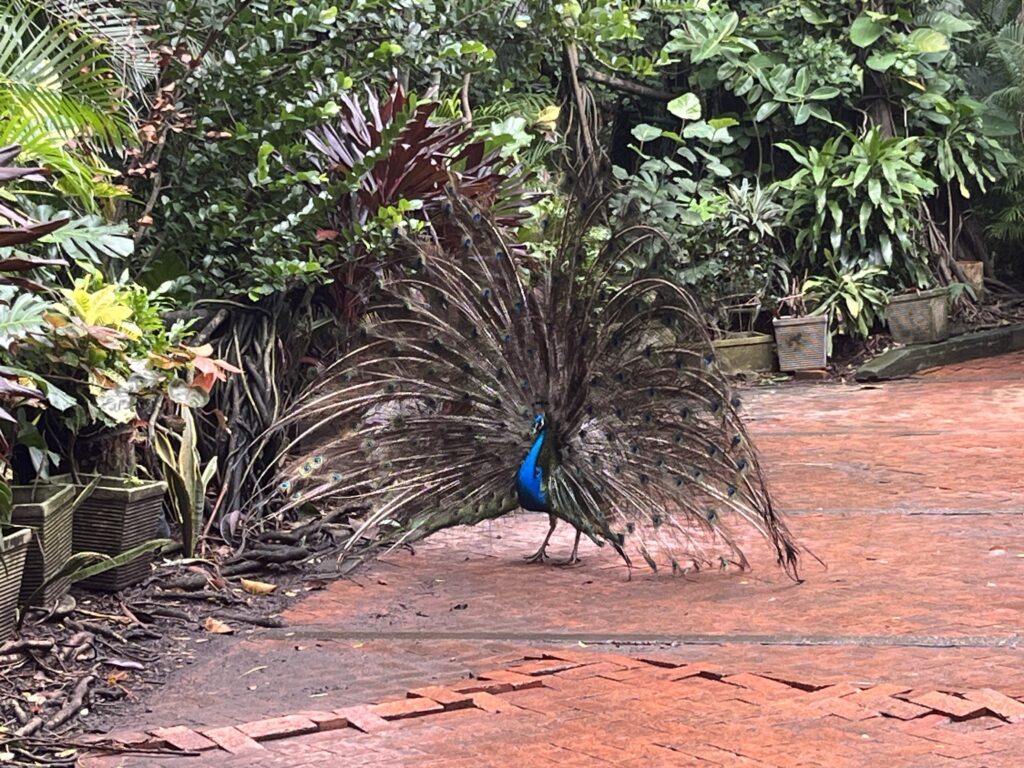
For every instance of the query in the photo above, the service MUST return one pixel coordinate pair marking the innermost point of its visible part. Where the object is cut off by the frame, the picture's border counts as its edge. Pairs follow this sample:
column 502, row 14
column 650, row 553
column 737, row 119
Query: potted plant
column 919, row 317
column 747, row 266
column 21, row 310
column 14, row 543
column 110, row 349
column 745, row 352
column 849, row 300
column 801, row 339
column 46, row 509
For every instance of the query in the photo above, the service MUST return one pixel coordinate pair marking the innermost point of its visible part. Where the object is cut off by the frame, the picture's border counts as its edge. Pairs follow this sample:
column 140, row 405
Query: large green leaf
column 645, row 132
column 84, row 565
column 864, row 31
column 685, row 107
column 928, row 41
column 21, row 314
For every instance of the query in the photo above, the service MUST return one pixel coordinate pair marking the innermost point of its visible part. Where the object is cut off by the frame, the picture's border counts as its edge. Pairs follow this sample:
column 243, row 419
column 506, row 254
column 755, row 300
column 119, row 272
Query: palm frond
column 119, row 31
column 58, row 79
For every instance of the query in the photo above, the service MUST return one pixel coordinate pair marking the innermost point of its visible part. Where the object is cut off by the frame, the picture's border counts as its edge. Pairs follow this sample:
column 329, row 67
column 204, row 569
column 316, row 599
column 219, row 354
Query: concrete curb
column 906, row 361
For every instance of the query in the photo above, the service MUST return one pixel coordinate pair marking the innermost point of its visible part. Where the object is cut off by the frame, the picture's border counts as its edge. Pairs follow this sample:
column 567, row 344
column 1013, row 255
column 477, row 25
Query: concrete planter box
column 745, row 352
column 45, row 508
column 13, row 548
column 119, row 514
column 919, row 318
column 802, row 342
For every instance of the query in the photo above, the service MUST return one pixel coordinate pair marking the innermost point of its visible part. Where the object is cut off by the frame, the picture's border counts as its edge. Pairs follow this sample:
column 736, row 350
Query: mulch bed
column 88, row 658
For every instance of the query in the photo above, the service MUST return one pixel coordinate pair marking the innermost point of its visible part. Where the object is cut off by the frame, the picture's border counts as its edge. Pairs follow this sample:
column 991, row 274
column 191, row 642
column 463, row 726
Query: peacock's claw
column 569, row 562
column 540, row 556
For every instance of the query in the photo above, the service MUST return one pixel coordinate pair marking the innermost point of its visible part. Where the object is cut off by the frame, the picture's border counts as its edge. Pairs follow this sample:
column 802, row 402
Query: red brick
column 277, row 727
column 870, row 695
column 361, row 718
column 837, row 691
column 325, row 721
column 942, row 702
column 483, row 686
column 491, row 703
column 762, row 685
column 900, row 709
column 232, row 740
column 403, row 708
column 516, row 680
column 184, row 739
column 841, row 708
column 998, row 704
column 446, row 697
column 548, row 667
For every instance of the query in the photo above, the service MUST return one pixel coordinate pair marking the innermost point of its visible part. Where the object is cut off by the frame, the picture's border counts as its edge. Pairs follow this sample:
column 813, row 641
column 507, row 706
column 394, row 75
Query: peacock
column 487, row 378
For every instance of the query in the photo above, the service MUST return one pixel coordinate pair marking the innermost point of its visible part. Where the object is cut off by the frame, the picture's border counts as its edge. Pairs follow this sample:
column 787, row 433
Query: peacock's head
column 539, row 424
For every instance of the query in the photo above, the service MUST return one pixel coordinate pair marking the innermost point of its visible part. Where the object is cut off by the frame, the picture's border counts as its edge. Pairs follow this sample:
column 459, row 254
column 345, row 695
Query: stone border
column 906, row 361
column 484, row 692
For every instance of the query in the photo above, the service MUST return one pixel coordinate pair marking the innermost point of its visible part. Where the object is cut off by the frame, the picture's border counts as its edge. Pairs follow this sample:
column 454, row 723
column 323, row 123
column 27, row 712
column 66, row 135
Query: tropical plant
column 21, row 315
column 852, row 301
column 374, row 158
column 187, row 479
column 64, row 128
column 858, row 199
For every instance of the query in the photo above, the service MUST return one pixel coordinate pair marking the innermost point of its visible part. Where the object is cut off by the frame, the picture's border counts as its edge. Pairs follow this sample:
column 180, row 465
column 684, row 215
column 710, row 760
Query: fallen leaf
column 116, row 677
column 291, row 593
column 217, row 626
column 123, row 664
column 258, row 587
column 254, row 669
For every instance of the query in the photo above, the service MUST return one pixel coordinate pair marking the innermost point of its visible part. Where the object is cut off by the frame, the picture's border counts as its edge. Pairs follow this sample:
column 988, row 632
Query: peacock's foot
column 540, row 556
column 569, row 562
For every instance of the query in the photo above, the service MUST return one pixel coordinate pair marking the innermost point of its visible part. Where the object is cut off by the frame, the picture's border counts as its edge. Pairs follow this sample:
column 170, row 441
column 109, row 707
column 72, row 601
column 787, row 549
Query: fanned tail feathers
column 426, row 419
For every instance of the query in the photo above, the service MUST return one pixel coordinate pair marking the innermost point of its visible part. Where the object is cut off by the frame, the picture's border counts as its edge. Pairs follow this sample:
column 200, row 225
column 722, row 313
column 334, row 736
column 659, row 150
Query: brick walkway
column 906, row 648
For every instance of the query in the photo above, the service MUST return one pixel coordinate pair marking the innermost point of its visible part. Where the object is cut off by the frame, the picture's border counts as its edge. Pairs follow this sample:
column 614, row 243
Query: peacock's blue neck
column 530, row 479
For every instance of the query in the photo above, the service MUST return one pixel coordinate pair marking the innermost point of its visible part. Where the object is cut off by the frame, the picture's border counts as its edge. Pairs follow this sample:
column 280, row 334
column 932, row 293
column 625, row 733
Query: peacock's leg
column 541, row 554
column 573, row 557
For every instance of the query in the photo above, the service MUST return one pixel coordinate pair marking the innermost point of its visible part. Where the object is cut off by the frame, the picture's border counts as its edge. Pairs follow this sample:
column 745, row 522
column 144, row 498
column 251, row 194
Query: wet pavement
column 904, row 646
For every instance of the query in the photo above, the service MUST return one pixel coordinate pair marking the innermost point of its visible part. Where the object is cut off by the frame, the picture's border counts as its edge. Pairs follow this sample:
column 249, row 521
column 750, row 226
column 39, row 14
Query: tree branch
column 628, row 86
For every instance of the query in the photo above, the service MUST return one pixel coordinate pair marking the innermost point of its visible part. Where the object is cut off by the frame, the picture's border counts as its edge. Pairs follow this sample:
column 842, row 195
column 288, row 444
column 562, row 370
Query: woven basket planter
column 118, row 515
column 802, row 342
column 745, row 352
column 13, row 547
column 919, row 318
column 46, row 508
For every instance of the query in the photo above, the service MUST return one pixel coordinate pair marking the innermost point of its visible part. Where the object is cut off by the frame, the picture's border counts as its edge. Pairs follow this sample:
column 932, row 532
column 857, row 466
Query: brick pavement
column 908, row 491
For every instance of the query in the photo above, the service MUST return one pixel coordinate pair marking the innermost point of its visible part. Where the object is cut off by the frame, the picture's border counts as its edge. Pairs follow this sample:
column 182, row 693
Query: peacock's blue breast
column 530, row 480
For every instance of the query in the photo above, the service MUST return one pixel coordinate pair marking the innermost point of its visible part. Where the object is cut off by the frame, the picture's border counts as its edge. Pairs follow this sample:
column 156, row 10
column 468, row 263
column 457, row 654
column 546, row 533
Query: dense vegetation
column 232, row 172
